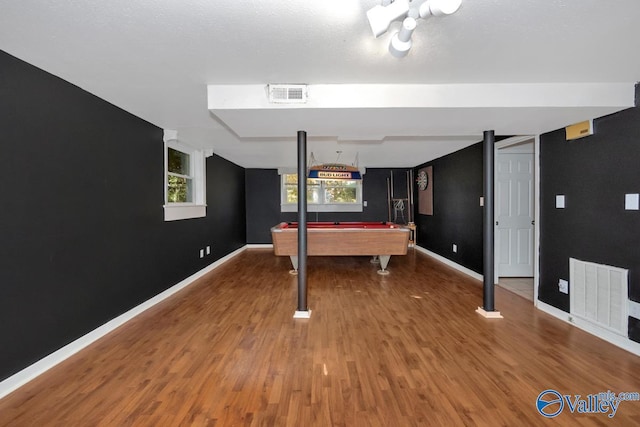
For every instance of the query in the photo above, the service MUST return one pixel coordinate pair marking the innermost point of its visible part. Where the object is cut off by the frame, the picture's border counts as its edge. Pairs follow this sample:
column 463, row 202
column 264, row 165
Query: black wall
column 83, row 235
column 457, row 214
column 594, row 173
column 263, row 201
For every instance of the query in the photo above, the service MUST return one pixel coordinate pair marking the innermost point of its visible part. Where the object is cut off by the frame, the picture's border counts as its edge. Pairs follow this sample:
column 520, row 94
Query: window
column 179, row 178
column 322, row 195
column 184, row 181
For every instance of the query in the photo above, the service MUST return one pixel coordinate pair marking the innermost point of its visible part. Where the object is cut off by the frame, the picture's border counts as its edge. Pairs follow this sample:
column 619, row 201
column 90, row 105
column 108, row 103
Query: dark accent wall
column 263, row 201
column 594, row 173
column 457, row 214
column 83, row 234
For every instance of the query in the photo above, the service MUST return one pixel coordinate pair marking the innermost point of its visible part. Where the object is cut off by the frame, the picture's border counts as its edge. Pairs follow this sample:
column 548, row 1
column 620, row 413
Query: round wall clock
column 422, row 180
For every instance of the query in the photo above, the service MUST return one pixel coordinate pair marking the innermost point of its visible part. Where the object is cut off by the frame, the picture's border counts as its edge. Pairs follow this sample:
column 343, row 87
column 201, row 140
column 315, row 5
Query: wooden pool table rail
column 381, row 242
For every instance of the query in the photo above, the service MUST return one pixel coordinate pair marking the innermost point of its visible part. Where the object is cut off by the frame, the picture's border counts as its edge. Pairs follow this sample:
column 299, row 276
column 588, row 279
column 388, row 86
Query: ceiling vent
column 287, row 94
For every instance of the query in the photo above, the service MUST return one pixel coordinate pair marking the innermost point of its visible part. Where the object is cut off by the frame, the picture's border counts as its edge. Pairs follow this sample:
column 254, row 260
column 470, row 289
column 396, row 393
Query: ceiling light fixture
column 381, row 16
column 334, row 171
column 401, row 41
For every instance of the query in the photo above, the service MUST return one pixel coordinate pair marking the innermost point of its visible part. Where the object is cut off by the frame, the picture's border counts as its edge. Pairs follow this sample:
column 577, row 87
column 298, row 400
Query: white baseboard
column 617, row 340
column 259, row 246
column 450, row 263
column 29, row 373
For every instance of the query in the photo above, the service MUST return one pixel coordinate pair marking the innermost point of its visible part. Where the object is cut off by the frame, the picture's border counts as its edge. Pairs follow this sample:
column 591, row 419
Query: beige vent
column 287, row 94
column 598, row 294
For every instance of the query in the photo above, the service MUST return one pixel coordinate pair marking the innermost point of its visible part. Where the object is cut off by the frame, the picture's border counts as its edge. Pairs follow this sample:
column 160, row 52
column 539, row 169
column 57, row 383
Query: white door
column 514, row 214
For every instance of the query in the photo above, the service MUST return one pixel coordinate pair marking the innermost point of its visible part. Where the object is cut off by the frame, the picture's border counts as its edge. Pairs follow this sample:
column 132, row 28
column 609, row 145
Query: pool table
column 378, row 239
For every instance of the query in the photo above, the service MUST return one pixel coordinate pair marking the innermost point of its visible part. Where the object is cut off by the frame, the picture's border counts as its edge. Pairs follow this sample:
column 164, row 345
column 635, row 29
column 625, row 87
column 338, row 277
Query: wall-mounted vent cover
column 598, row 294
column 287, row 94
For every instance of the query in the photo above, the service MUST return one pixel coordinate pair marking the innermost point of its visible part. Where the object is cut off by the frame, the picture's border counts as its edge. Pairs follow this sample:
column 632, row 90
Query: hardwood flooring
column 405, row 349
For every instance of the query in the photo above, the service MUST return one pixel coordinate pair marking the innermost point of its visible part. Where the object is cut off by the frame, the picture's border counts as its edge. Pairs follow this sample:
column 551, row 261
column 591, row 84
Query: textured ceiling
column 155, row 58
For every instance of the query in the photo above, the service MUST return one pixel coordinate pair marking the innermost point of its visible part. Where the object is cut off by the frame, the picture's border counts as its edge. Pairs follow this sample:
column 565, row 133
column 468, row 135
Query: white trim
column 221, row 97
column 260, row 246
column 31, row 372
column 184, row 211
column 170, row 135
column 615, row 339
column 450, row 263
column 198, row 170
column 504, row 143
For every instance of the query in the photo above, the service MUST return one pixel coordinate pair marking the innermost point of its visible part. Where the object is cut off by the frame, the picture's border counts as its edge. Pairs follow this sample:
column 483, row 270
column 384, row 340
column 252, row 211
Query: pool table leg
column 384, row 260
column 294, row 262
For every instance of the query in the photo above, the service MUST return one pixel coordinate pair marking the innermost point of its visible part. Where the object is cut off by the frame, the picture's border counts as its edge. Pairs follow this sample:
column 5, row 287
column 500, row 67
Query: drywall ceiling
column 517, row 67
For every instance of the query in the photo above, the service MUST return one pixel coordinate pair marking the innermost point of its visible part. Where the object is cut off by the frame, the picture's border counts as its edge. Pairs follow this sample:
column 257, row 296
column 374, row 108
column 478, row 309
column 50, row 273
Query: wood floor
column 405, row 349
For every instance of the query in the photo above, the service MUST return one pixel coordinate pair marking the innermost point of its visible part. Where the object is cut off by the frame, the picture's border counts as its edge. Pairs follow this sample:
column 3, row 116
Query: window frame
column 189, row 177
column 356, row 206
column 197, row 208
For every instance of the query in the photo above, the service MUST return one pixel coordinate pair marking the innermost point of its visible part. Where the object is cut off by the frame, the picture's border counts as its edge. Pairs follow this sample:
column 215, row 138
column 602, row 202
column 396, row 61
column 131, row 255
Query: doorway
column 514, row 209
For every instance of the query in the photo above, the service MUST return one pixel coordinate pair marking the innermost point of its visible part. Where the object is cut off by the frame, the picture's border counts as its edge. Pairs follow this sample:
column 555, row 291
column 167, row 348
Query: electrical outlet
column 208, row 250
column 563, row 286
column 201, row 253
column 455, row 248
